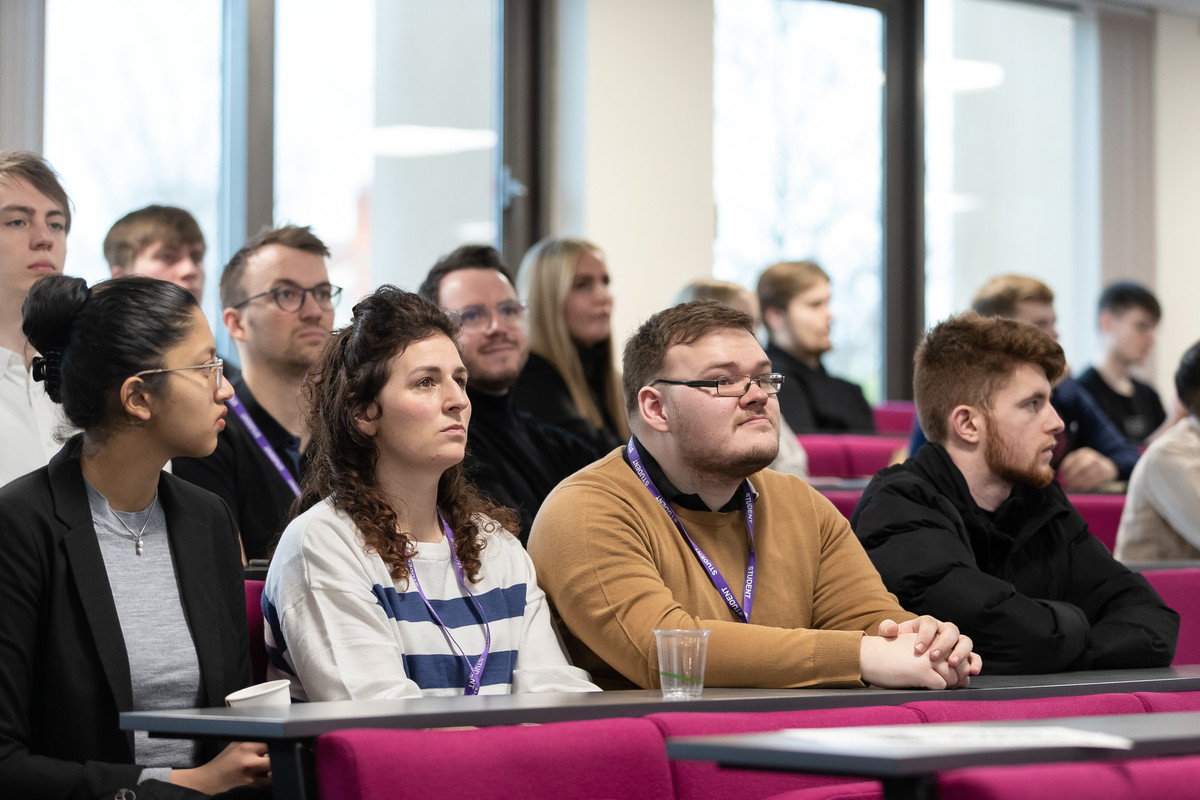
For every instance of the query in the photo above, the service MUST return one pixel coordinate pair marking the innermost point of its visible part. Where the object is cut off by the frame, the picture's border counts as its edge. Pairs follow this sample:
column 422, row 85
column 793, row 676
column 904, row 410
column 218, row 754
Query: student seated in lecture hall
column 400, row 579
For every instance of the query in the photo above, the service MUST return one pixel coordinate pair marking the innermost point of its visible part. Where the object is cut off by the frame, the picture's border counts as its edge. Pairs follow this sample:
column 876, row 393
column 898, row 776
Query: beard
column 732, row 465
column 1006, row 462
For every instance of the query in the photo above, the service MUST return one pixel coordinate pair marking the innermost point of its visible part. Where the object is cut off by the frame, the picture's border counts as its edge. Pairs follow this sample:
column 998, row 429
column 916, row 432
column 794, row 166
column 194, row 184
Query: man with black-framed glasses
column 685, row 527
column 279, row 307
column 513, row 457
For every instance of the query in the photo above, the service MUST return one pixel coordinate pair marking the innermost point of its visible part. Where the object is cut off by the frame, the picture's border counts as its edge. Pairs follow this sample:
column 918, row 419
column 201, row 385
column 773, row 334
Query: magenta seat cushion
column 701, row 779
column 617, row 758
column 1038, row 708
column 895, row 417
column 1180, row 589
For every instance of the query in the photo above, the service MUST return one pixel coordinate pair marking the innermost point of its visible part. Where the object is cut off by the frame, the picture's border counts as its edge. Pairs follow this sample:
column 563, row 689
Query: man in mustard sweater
column 684, row 528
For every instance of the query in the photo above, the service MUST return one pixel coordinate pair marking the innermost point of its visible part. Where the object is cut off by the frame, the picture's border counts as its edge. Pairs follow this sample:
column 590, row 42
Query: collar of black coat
column 691, row 502
column 1023, row 514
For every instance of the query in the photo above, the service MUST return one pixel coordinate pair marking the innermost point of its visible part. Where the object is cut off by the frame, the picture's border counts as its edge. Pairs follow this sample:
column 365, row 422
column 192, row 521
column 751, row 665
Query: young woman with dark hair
column 399, row 579
column 121, row 585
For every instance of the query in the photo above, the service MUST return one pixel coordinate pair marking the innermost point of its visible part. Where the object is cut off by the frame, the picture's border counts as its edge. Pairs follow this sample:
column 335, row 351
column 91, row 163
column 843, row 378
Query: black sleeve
column 1131, row 625
column 920, row 545
column 24, row 578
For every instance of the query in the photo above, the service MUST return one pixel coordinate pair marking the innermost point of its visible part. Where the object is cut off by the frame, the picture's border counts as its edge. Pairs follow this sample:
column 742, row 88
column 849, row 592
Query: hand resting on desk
column 919, row 652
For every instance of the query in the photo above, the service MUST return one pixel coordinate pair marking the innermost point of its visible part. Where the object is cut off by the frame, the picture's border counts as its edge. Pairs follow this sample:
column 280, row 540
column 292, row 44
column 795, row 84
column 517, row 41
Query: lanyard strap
column 474, row 672
column 262, row 443
column 718, row 580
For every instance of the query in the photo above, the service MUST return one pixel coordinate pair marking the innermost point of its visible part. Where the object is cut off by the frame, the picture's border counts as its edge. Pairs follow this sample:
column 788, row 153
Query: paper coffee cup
column 271, row 693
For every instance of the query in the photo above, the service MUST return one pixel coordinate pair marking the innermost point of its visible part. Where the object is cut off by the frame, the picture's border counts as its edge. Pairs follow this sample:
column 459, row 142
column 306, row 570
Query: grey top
column 163, row 667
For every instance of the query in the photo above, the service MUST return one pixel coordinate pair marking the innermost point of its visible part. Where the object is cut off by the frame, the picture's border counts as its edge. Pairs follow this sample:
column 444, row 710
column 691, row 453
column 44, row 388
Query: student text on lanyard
column 474, row 673
column 261, row 440
column 743, row 609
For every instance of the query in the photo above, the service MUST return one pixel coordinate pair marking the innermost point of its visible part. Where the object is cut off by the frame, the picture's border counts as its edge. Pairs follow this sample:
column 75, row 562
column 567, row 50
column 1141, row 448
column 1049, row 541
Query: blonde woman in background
column 791, row 459
column 571, row 379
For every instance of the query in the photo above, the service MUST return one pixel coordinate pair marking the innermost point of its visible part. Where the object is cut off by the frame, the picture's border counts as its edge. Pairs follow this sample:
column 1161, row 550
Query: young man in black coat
column 974, row 530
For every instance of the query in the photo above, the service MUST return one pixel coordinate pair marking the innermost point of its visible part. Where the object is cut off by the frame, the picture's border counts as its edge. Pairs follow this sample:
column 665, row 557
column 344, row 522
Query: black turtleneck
column 541, row 391
column 517, row 459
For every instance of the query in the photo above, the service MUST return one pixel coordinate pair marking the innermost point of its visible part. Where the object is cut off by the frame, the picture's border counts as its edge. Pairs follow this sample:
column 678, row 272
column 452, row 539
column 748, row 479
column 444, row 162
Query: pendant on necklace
column 139, row 547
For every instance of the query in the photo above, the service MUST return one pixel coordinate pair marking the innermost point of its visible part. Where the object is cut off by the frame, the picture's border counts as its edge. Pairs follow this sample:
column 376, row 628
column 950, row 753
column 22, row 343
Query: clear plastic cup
column 681, row 662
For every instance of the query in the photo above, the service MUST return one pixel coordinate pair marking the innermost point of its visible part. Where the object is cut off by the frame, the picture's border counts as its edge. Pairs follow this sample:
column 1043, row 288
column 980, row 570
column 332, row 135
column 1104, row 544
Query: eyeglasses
column 291, row 298
column 216, row 368
column 510, row 313
column 732, row 385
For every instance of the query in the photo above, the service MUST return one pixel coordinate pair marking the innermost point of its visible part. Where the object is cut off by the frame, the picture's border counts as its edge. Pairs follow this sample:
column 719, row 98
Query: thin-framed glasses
column 216, row 368
column 509, row 312
column 732, row 385
column 291, row 298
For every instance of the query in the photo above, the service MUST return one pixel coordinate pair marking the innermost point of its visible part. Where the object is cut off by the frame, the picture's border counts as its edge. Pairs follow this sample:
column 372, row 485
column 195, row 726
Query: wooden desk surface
column 308, row 720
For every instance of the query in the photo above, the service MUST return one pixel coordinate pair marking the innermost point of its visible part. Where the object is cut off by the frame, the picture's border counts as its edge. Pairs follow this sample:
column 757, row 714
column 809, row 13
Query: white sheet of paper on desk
column 964, row 737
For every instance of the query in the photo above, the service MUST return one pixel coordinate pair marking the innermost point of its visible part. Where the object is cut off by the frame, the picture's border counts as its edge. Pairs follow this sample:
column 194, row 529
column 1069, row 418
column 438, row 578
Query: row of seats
column 626, row 758
column 849, row 455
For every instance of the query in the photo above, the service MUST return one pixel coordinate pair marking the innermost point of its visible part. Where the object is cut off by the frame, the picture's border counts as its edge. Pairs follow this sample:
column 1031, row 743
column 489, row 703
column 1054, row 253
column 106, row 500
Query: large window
column 386, row 131
column 132, row 115
column 798, row 158
column 1003, row 140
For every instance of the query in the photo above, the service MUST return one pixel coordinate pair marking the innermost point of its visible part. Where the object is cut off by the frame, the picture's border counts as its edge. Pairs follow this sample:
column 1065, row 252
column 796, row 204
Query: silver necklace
column 136, row 535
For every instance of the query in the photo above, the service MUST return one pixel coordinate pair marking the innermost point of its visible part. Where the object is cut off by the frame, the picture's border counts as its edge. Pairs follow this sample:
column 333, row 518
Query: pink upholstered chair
column 696, row 780
column 1180, row 589
column 826, row 455
column 1169, row 701
column 623, row 758
column 895, row 417
column 1102, row 512
column 1037, row 708
column 255, row 623
column 869, row 454
column 1092, row 780
column 844, row 500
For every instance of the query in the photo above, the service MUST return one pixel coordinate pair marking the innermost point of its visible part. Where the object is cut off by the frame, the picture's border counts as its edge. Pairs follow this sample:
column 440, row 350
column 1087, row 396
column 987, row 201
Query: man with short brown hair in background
column 161, row 242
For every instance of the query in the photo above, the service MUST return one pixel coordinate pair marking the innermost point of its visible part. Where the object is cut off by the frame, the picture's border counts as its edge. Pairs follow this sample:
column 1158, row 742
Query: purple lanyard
column 714, row 574
column 262, row 443
column 474, row 673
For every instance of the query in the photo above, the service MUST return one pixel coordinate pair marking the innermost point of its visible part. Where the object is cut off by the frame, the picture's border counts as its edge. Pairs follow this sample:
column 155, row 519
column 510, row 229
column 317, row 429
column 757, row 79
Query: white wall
column 1177, row 192
column 632, row 166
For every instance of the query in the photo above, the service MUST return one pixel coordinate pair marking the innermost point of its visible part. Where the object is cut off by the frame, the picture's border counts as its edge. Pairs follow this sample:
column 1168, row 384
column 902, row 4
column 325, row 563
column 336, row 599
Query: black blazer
column 64, row 671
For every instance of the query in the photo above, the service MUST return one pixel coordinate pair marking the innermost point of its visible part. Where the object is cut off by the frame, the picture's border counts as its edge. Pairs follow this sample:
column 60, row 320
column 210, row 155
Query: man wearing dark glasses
column 279, row 311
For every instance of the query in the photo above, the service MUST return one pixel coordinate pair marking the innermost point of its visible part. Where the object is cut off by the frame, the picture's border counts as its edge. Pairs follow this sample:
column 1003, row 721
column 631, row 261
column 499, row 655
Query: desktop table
column 909, row 772
column 290, row 731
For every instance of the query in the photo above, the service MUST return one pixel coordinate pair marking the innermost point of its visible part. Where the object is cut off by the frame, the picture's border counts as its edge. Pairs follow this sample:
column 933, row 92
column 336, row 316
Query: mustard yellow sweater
column 615, row 568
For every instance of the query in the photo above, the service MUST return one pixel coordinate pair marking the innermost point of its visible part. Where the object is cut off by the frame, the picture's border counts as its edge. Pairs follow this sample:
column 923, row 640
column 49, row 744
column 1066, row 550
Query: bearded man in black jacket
column 974, row 530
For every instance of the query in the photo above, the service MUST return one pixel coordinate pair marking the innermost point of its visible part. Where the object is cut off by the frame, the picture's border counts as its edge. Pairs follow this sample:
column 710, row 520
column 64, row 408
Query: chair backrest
column 869, row 454
column 1180, row 589
column 895, row 417
column 826, row 455
column 1034, row 708
column 623, row 758
column 1102, row 513
column 254, row 622
column 844, row 500
column 695, row 780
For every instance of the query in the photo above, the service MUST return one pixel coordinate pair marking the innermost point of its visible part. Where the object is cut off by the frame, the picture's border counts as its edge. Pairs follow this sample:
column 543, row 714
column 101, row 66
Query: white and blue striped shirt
column 340, row 628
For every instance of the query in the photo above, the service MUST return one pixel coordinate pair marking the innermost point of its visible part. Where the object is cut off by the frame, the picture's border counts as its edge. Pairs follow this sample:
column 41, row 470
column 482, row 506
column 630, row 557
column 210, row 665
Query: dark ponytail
column 91, row 340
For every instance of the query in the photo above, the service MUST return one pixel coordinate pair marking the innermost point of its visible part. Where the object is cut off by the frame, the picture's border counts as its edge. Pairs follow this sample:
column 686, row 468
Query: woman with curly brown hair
column 399, row 579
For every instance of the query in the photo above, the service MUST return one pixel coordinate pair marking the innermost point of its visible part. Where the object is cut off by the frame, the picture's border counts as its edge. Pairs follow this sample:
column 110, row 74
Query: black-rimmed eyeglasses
column 291, row 298
column 731, row 385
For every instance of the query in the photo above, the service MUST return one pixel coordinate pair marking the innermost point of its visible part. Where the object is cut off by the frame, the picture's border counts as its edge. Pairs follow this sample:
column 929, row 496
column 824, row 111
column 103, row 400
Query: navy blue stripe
column 450, row 672
column 458, row 612
column 271, row 615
